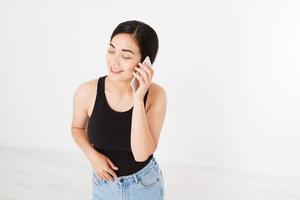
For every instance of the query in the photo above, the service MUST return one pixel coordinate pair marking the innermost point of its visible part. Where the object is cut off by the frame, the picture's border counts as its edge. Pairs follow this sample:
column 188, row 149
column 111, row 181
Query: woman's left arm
column 146, row 127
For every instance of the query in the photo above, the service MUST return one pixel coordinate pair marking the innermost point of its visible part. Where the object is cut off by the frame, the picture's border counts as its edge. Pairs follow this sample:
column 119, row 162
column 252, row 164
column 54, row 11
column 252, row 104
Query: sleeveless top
column 109, row 133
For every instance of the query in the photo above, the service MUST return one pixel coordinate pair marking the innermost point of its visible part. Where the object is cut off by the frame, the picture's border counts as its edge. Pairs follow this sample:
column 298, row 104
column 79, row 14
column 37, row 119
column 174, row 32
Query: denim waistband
column 137, row 175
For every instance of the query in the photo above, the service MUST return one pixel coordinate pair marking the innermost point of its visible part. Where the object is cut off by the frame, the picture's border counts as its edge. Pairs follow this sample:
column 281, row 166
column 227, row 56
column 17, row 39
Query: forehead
column 124, row 41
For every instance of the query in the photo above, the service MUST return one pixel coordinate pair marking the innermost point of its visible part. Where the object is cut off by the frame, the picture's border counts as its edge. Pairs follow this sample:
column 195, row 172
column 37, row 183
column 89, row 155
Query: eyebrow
column 128, row 50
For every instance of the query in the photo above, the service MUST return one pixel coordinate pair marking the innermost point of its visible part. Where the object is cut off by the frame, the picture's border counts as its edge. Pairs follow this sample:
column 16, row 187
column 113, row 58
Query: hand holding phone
column 134, row 81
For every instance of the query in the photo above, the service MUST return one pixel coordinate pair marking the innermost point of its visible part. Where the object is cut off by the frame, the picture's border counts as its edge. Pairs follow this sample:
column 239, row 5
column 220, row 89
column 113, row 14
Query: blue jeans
column 146, row 184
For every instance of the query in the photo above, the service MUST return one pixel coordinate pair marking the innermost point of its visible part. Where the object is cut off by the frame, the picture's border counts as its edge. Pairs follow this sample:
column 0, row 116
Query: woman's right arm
column 80, row 118
column 102, row 165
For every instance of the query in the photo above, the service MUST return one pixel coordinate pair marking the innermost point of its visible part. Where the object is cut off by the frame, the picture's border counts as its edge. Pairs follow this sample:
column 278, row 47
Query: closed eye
column 122, row 56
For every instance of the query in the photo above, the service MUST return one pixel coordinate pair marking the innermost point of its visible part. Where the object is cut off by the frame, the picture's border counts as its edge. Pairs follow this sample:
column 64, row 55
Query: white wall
column 230, row 68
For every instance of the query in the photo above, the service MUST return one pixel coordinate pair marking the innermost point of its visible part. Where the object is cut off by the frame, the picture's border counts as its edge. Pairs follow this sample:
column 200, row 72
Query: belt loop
column 155, row 161
column 135, row 178
column 155, row 164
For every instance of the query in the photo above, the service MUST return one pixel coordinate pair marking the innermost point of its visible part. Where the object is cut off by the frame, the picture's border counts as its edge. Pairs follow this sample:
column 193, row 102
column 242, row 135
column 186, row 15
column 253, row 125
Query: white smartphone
column 134, row 81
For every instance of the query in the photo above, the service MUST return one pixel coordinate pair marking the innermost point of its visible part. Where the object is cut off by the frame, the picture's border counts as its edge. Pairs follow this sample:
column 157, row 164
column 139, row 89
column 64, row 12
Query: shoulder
column 157, row 94
column 85, row 90
column 157, row 90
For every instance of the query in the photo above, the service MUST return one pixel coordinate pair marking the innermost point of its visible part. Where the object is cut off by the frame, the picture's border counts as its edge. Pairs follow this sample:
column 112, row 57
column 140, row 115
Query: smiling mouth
column 114, row 70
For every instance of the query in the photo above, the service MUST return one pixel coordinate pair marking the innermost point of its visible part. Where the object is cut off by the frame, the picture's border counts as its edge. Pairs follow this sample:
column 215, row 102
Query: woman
column 117, row 127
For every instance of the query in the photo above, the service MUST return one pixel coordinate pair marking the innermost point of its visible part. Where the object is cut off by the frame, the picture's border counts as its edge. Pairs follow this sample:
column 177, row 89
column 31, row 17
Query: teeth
column 115, row 70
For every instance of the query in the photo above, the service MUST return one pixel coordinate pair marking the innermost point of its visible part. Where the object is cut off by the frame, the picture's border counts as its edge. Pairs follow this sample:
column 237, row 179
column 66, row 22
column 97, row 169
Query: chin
column 118, row 77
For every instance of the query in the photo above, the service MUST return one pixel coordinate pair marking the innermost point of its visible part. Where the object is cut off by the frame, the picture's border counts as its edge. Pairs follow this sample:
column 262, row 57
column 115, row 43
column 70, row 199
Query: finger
column 98, row 175
column 150, row 67
column 111, row 172
column 149, row 73
column 145, row 66
column 148, row 70
column 105, row 176
column 143, row 73
column 101, row 176
column 112, row 165
column 108, row 176
column 139, row 77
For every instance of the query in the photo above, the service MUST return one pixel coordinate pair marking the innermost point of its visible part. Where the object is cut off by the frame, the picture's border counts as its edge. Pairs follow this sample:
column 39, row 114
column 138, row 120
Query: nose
column 116, row 61
column 116, row 64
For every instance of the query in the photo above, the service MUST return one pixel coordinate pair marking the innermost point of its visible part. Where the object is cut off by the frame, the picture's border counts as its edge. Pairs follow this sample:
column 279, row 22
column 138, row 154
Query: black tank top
column 109, row 133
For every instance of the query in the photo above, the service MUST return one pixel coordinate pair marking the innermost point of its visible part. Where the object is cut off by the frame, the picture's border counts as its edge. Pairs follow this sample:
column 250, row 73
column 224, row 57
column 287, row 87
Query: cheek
column 108, row 57
column 129, row 64
column 110, row 60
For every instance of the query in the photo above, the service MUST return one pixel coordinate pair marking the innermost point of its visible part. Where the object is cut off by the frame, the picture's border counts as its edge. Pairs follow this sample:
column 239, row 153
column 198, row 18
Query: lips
column 115, row 70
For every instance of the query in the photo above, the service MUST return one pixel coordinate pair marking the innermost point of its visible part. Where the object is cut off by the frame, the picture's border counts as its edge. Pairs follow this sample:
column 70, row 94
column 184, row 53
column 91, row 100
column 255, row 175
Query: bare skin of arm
column 101, row 164
column 147, row 125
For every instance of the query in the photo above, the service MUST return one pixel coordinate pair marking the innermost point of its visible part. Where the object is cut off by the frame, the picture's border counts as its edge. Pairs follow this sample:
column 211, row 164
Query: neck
column 121, row 87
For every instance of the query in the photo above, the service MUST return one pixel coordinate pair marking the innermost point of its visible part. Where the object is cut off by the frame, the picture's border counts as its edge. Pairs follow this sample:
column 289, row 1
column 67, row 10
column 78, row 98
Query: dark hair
column 144, row 35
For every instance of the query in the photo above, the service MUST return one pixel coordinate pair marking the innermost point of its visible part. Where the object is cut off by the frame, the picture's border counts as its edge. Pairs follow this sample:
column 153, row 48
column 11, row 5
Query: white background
column 230, row 69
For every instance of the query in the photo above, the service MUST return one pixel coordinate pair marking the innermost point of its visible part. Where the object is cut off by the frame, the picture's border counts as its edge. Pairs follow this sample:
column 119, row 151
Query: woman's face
column 123, row 55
